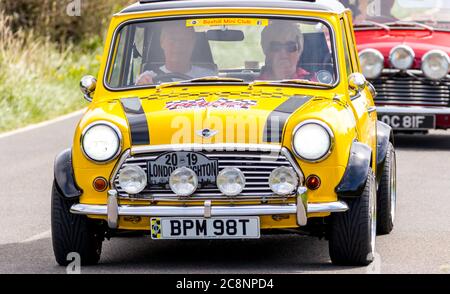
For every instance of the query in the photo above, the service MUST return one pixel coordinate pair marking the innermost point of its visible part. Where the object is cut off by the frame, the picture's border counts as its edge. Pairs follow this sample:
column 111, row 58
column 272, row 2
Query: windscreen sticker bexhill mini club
column 227, row 22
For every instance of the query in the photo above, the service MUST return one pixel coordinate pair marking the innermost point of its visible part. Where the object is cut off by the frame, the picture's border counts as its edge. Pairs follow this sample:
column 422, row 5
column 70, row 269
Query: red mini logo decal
column 222, row 103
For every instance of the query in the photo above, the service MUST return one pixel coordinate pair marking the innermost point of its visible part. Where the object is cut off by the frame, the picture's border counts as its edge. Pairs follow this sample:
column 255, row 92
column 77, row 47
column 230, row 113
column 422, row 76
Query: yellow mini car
column 227, row 119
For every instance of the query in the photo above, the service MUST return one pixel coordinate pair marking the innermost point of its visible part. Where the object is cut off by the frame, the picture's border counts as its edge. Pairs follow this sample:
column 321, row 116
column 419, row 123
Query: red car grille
column 403, row 89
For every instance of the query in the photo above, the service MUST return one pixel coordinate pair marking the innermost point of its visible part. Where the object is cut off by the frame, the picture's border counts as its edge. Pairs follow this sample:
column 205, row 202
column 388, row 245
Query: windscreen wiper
column 213, row 79
column 369, row 23
column 288, row 81
column 410, row 24
column 302, row 82
column 200, row 80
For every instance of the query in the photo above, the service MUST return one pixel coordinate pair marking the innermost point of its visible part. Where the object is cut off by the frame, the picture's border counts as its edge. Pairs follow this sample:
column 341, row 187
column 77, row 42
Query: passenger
column 282, row 44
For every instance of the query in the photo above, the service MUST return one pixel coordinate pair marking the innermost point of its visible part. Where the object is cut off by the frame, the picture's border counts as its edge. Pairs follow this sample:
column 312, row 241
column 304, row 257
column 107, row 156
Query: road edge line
column 43, row 235
column 41, row 124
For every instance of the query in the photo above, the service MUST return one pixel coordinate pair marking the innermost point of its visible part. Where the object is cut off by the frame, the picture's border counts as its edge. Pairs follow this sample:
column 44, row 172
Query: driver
column 282, row 44
column 177, row 42
column 360, row 10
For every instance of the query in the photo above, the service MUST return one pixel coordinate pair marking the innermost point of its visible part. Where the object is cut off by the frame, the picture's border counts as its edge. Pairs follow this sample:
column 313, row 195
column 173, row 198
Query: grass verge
column 38, row 79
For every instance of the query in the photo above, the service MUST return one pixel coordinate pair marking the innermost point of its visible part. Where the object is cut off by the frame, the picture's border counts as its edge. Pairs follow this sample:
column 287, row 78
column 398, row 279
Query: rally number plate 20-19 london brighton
column 160, row 169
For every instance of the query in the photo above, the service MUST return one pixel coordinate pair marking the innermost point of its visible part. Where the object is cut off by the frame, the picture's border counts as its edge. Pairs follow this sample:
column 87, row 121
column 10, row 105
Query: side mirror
column 357, row 81
column 87, row 87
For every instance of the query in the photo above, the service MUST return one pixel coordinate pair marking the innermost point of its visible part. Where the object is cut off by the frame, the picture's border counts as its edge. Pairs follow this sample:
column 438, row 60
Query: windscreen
column 242, row 49
column 435, row 13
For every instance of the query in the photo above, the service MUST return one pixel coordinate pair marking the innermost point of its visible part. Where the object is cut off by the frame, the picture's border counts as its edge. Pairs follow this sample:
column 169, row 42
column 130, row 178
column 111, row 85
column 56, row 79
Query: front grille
column 412, row 90
column 256, row 167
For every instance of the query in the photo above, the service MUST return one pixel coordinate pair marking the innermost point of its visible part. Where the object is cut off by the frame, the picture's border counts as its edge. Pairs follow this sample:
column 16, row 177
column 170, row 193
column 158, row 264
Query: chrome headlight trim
column 379, row 58
column 327, row 129
column 445, row 58
column 410, row 52
column 116, row 131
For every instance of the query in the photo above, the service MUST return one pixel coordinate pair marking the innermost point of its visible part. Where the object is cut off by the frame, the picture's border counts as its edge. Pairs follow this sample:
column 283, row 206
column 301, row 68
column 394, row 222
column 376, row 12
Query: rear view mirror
column 225, row 35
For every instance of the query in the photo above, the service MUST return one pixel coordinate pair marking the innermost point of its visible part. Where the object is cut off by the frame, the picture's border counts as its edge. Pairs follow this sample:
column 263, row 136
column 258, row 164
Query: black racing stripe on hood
column 137, row 121
column 273, row 130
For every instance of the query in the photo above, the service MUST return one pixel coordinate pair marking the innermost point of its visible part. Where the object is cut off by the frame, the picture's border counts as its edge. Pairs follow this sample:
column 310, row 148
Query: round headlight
column 183, row 181
column 132, row 179
column 101, row 142
column 283, row 180
column 312, row 140
column 402, row 57
column 435, row 64
column 372, row 63
column 231, row 181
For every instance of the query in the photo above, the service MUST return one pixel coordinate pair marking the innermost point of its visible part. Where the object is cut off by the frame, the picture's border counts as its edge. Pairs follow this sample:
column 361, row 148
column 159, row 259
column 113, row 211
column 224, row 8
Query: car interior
column 316, row 54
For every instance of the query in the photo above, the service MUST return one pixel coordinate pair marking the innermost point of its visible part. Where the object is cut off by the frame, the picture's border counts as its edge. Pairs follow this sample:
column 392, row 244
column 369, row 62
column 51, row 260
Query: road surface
column 420, row 242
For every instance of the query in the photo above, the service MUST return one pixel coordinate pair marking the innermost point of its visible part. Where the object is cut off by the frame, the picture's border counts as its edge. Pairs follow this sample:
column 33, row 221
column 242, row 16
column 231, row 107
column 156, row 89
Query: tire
column 73, row 233
column 387, row 194
column 352, row 235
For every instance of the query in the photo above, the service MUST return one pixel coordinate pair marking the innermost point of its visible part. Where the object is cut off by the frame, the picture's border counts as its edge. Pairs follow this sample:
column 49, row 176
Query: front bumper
column 442, row 114
column 113, row 210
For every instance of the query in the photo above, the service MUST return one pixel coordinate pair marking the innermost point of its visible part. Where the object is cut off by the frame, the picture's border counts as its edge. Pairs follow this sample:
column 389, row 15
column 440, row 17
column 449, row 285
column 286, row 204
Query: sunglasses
column 289, row 46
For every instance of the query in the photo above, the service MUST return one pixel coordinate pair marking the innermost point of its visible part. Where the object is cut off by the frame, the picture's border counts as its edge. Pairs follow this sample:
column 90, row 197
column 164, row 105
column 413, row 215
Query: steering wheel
column 170, row 77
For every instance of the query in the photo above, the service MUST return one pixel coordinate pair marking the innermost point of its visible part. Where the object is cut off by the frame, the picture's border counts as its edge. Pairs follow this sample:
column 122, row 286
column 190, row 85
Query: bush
column 38, row 78
column 43, row 54
column 49, row 18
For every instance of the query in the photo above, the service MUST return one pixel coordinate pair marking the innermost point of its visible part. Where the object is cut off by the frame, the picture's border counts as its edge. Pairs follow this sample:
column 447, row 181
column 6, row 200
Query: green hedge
column 49, row 18
column 43, row 55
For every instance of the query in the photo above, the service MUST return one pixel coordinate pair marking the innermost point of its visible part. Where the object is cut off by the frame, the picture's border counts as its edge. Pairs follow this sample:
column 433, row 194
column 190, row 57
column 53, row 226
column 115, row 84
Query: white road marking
column 37, row 237
column 42, row 124
column 44, row 235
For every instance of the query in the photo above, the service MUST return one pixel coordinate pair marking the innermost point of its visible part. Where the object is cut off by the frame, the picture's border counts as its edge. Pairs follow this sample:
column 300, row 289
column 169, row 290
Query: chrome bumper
column 412, row 110
column 301, row 209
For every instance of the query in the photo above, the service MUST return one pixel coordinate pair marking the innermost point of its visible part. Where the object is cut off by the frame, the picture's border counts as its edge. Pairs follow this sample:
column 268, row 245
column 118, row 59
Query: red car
column 404, row 50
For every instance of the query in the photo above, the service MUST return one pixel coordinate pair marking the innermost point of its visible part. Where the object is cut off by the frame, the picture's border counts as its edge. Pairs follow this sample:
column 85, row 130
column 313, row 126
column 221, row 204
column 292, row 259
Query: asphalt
column 420, row 242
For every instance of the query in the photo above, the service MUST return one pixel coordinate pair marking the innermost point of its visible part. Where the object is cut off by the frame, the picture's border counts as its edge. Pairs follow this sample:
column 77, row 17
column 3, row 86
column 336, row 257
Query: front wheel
column 352, row 236
column 73, row 233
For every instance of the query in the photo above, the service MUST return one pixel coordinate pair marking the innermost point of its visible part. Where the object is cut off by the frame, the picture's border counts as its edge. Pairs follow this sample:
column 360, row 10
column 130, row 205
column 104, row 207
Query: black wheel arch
column 355, row 176
column 385, row 135
column 64, row 176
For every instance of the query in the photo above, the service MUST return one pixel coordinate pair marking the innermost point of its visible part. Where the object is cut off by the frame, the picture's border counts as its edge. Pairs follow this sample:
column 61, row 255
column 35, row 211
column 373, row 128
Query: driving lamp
column 183, row 181
column 435, row 64
column 132, row 179
column 312, row 140
column 231, row 181
column 372, row 63
column 402, row 57
column 283, row 180
column 101, row 141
